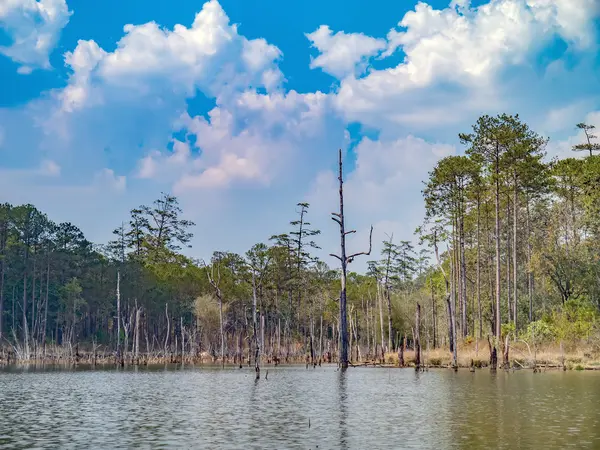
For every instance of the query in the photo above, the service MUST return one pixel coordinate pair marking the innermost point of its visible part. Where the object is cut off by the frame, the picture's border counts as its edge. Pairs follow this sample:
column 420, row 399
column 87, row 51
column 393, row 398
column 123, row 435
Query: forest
column 508, row 256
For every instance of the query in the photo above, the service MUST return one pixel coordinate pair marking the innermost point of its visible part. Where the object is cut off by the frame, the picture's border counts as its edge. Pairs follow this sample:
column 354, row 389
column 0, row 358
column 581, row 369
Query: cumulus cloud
column 34, row 28
column 462, row 50
column 261, row 144
column 250, row 140
column 342, row 54
column 151, row 61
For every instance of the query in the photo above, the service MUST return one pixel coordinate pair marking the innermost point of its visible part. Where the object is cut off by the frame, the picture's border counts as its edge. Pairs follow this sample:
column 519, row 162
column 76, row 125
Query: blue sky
column 239, row 107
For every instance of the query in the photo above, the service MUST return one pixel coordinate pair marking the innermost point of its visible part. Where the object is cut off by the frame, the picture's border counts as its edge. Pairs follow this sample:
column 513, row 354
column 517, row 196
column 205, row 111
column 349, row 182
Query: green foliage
column 538, row 332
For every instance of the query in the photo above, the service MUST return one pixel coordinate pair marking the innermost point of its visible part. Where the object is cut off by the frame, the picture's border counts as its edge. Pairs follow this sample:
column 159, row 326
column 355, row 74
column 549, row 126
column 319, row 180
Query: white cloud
column 250, row 140
column 342, row 54
column 34, row 27
column 154, row 62
column 257, row 152
column 462, row 51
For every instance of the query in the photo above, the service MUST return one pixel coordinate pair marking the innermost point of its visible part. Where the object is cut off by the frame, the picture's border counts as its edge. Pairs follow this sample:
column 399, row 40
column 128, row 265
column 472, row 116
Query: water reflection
column 358, row 409
column 343, row 407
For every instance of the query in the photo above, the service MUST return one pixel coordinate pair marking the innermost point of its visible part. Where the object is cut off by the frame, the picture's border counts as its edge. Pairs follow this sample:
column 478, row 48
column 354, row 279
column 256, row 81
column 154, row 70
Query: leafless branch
column 351, row 257
column 335, row 256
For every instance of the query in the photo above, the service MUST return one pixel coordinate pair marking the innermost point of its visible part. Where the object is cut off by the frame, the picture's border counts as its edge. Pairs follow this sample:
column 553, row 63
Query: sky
column 239, row 107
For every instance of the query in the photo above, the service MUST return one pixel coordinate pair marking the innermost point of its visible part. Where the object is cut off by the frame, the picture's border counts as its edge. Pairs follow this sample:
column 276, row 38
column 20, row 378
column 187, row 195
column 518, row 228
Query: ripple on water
column 362, row 409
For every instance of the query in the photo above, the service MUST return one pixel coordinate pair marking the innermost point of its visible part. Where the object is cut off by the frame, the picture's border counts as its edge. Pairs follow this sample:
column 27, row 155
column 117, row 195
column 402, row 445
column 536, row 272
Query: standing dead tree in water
column 345, row 260
column 418, row 338
column 258, row 261
column 215, row 282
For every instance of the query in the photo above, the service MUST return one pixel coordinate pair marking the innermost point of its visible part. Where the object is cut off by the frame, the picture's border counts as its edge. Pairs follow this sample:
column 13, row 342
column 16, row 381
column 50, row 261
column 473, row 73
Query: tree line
column 508, row 249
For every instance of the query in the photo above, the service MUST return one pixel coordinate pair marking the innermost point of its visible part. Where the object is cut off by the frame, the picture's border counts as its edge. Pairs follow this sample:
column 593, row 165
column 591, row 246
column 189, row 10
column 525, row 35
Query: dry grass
column 520, row 355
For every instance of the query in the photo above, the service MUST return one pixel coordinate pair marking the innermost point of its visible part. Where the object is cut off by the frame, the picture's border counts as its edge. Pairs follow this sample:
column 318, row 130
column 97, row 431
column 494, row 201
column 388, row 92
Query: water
column 360, row 409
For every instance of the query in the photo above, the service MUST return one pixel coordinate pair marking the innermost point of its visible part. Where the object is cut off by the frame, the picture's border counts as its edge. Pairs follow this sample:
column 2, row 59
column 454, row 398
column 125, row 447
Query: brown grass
column 520, row 356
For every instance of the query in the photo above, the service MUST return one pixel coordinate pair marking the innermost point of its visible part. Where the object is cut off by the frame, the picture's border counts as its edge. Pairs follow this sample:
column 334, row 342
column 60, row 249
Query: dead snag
column 345, row 260
column 505, row 362
column 493, row 355
column 401, row 352
column 215, row 283
column 418, row 338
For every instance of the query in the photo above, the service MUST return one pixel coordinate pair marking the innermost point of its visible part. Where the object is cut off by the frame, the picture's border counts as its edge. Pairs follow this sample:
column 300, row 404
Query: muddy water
column 363, row 408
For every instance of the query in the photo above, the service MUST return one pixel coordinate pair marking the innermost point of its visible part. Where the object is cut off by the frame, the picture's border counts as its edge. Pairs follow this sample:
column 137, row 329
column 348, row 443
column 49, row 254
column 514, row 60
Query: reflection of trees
column 343, row 399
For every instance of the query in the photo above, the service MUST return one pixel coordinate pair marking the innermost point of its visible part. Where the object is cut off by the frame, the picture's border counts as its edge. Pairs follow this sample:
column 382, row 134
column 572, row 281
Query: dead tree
column 118, row 315
column 215, row 283
column 418, row 338
column 345, row 260
column 254, row 326
column 138, row 313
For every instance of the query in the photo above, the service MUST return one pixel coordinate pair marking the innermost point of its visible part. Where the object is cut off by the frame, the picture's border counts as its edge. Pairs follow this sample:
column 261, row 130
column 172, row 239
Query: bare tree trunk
column 344, row 260
column 380, row 317
column 118, row 315
column 529, row 272
column 262, row 334
column 418, row 337
column 389, row 306
column 45, row 305
column 168, row 329
column 255, row 326
column 514, row 242
column 401, row 347
column 138, row 314
column 508, row 264
column 498, row 324
column 433, row 313
column 463, row 275
column 321, row 340
column 478, row 282
column 506, row 363
column 182, row 331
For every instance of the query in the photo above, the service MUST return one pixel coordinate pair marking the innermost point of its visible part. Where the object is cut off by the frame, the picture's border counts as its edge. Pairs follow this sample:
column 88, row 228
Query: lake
column 296, row 408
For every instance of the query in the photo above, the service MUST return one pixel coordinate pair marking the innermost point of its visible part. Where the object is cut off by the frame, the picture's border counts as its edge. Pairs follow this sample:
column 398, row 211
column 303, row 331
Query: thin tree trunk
column 418, row 338
column 463, row 274
column 529, row 271
column 255, row 329
column 137, row 331
column 508, row 263
column 380, row 318
column 433, row 313
column 168, row 334
column 119, row 314
column 514, row 242
column 498, row 318
column 478, row 282
column 344, row 260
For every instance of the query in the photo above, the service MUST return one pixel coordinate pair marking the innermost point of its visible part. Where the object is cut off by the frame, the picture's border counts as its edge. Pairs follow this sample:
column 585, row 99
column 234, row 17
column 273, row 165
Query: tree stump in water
column 505, row 361
column 401, row 354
